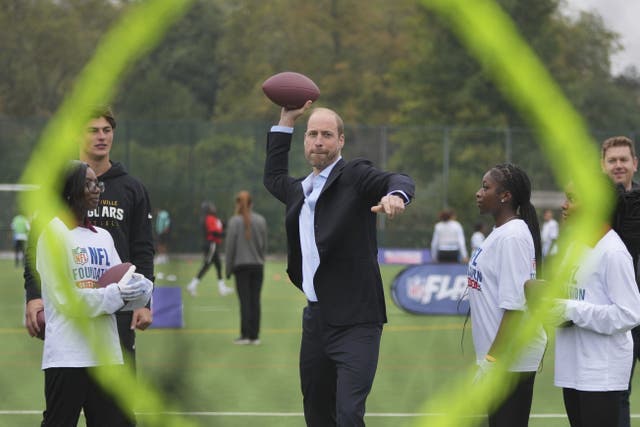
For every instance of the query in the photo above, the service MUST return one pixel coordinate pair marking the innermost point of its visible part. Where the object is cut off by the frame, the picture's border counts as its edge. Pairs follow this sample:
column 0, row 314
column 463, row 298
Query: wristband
column 490, row 358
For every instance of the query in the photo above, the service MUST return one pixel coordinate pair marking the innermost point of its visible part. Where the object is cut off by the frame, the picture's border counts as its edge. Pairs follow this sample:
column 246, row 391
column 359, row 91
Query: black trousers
column 249, row 285
column 127, row 338
column 449, row 256
column 18, row 248
column 211, row 256
column 69, row 390
column 337, row 368
column 515, row 410
column 624, row 417
column 591, row 408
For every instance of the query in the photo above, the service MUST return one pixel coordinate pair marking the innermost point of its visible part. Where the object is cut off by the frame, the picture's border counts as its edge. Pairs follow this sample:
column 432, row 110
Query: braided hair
column 73, row 186
column 513, row 179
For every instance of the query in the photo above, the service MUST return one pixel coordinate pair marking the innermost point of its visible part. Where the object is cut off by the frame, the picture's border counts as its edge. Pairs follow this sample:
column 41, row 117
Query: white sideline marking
column 288, row 414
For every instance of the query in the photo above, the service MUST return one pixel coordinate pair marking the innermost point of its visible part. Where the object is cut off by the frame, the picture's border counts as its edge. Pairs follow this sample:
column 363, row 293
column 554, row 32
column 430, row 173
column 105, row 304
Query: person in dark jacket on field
column 330, row 221
column 124, row 211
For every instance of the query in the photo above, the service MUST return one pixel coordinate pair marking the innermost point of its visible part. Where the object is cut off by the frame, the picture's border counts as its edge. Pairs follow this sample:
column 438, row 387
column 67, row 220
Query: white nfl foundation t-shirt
column 595, row 354
column 496, row 275
column 88, row 254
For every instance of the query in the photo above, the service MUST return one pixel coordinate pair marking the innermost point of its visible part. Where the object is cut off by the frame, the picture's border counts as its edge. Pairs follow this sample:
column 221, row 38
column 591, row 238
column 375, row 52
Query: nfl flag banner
column 403, row 256
column 432, row 289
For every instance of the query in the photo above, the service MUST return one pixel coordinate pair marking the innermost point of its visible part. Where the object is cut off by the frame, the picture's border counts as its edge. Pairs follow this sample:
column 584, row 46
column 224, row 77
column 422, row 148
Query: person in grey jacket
column 245, row 246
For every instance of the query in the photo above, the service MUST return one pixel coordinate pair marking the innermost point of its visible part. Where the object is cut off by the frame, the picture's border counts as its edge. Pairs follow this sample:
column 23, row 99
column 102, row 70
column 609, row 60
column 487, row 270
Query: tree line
column 380, row 64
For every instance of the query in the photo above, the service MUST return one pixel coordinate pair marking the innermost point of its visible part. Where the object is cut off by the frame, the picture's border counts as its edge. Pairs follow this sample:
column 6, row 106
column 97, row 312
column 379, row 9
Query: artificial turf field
column 213, row 382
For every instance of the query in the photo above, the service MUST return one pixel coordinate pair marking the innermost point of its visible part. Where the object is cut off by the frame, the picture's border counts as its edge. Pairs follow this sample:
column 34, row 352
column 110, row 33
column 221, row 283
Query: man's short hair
column 106, row 112
column 339, row 121
column 618, row 141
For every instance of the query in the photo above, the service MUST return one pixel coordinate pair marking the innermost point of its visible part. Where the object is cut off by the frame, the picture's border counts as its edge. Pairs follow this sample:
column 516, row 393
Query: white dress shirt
column 312, row 187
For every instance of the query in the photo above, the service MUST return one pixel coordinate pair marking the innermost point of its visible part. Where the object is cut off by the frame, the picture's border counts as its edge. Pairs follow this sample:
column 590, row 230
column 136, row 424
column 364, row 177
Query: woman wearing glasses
column 85, row 252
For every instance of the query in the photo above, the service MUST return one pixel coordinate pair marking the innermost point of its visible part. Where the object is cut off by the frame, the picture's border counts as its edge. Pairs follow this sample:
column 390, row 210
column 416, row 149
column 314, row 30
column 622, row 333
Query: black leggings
column 249, row 285
column 591, row 408
column 19, row 251
column 211, row 256
column 448, row 256
column 514, row 411
column 624, row 419
column 70, row 390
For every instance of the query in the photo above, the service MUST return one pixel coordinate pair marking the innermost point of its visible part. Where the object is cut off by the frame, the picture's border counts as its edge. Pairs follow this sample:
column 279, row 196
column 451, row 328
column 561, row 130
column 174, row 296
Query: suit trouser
column 337, row 368
column 68, row 390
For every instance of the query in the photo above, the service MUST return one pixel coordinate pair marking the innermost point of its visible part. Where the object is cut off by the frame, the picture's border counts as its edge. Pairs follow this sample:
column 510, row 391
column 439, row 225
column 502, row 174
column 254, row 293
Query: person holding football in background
column 67, row 358
column 125, row 212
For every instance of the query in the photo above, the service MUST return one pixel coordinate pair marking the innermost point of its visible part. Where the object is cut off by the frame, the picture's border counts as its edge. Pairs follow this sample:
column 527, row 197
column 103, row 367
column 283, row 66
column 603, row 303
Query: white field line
column 288, row 414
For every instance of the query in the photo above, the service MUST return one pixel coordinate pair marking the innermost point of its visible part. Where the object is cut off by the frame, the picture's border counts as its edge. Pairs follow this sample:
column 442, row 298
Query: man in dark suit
column 332, row 257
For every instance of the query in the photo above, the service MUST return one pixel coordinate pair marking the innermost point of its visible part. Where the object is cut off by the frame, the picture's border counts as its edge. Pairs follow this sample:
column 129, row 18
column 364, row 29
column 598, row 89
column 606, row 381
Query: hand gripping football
column 290, row 90
column 111, row 275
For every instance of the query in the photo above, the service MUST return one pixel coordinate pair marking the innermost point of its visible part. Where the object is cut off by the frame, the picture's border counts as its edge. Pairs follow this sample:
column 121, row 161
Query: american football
column 113, row 274
column 290, row 90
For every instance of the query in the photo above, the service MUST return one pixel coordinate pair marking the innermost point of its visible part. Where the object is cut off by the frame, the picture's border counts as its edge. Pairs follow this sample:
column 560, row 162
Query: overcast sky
column 621, row 16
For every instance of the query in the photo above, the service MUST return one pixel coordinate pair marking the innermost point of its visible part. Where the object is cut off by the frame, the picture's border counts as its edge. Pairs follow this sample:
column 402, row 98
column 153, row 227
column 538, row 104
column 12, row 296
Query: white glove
column 126, row 277
column 135, row 287
column 484, row 368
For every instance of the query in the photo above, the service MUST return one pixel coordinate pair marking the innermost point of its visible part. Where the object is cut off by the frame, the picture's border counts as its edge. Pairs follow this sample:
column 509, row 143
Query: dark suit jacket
column 348, row 282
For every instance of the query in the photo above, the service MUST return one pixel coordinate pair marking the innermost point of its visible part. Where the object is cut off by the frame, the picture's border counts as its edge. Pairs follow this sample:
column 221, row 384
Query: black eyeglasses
column 93, row 185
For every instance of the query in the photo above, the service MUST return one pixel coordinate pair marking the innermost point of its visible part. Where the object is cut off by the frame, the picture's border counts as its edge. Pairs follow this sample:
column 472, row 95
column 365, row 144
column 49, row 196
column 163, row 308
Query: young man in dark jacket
column 125, row 211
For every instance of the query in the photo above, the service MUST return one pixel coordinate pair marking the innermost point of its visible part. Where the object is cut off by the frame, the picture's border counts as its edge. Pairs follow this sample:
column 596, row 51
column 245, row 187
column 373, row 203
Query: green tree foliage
column 179, row 80
column 446, row 88
column 43, row 46
column 192, row 115
column 396, row 63
column 346, row 51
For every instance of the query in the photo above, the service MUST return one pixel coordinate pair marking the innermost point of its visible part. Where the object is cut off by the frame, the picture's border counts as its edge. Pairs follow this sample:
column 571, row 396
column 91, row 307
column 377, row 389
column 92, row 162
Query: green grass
column 201, row 371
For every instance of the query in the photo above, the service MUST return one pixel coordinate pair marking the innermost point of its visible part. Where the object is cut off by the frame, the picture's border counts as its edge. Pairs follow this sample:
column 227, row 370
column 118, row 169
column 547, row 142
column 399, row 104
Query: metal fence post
column 445, row 168
column 507, row 144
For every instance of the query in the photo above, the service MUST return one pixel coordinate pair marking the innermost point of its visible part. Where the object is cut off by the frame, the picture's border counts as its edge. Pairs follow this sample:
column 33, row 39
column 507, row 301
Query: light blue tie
column 317, row 182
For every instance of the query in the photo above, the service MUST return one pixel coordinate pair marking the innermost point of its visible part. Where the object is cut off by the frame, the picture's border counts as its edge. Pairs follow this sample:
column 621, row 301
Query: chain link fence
column 183, row 163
